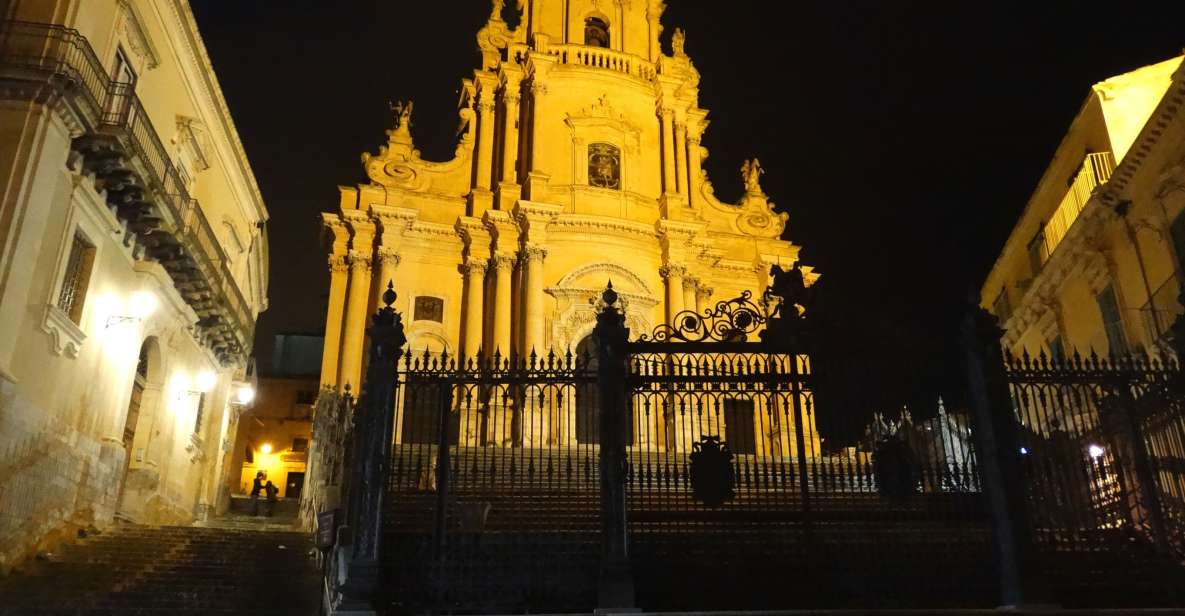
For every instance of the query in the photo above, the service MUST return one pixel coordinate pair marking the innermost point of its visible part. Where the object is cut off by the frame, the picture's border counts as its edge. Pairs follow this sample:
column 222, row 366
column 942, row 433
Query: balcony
column 1161, row 310
column 1096, row 169
column 144, row 188
column 594, row 57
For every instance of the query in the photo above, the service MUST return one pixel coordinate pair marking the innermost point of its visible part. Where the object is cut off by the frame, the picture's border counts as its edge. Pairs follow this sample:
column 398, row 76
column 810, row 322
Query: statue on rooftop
column 678, row 39
column 402, row 111
column 751, row 173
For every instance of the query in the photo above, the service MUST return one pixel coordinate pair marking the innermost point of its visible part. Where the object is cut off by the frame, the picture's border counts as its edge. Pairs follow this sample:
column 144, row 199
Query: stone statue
column 751, row 173
column 678, row 39
column 402, row 111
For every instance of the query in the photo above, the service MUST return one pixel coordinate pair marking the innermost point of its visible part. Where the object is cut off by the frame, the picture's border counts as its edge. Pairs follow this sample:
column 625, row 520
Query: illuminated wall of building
column 1097, row 259
column 114, row 397
column 579, row 162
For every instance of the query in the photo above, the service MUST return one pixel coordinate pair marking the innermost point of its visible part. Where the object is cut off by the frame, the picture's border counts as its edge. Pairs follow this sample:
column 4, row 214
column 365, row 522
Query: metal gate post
column 615, row 588
column 997, row 441
column 373, row 425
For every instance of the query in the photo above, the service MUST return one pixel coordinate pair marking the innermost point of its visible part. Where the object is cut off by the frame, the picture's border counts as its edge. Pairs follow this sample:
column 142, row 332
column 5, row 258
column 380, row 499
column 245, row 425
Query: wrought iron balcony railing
column 1095, row 171
column 1161, row 310
column 41, row 59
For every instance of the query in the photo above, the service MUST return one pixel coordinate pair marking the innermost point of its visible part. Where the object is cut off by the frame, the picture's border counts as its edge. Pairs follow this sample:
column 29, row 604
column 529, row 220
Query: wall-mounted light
column 140, row 306
column 1095, row 451
column 244, row 394
column 266, row 448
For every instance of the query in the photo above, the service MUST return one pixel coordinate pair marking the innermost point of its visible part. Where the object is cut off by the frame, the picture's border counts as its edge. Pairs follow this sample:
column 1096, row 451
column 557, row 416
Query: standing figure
column 751, row 173
column 272, row 492
column 256, row 488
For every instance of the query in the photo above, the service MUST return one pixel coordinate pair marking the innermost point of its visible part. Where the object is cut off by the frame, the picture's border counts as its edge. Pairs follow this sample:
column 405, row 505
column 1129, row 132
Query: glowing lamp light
column 1024, row 451
column 142, row 304
column 205, row 381
column 245, row 394
column 1095, row 452
column 266, row 448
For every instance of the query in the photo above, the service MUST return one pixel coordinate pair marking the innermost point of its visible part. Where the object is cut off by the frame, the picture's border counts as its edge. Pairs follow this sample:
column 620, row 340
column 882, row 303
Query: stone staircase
column 233, row 566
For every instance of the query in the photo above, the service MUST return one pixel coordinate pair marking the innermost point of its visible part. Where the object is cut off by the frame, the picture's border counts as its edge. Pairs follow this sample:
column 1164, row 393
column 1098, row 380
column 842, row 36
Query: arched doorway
column 588, row 408
column 145, row 387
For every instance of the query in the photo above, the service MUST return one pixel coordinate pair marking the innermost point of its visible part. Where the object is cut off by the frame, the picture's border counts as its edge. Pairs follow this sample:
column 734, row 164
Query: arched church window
column 429, row 309
column 596, row 32
column 604, row 165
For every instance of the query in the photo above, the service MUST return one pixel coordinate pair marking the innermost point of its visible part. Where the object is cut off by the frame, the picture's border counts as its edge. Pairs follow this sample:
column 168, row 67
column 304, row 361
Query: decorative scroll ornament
column 730, row 321
column 711, row 473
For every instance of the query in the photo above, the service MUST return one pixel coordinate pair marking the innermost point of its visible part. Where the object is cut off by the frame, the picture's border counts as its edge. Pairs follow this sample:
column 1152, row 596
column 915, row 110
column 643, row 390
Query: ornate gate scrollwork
column 730, row 321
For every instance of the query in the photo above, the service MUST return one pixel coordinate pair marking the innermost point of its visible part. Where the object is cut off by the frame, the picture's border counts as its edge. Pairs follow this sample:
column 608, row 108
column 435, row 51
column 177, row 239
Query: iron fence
column 1103, row 445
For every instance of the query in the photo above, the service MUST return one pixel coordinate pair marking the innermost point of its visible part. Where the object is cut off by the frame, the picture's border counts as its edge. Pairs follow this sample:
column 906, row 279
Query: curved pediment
column 597, row 275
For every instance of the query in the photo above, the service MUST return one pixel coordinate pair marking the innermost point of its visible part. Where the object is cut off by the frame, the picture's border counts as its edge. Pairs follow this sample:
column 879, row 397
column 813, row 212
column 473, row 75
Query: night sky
column 903, row 138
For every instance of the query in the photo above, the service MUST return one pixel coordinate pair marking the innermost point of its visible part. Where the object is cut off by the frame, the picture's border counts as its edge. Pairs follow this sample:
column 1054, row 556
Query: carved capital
column 338, row 264
column 538, row 88
column 474, row 267
column 502, row 262
column 388, row 257
column 672, row 270
column 485, row 106
column 511, row 98
column 690, row 283
column 704, row 291
column 533, row 253
column 359, row 261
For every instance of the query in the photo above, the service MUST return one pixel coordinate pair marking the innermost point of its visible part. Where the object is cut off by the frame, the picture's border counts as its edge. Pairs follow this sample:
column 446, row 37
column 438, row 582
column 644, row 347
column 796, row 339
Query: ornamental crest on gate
column 711, row 471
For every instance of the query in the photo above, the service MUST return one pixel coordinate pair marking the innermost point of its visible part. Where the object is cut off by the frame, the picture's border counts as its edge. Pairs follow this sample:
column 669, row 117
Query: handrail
column 595, row 57
column 1096, row 169
column 55, row 53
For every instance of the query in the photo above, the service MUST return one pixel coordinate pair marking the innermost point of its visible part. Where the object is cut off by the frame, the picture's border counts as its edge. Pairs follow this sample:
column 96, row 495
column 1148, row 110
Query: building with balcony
column 132, row 269
column 1097, row 260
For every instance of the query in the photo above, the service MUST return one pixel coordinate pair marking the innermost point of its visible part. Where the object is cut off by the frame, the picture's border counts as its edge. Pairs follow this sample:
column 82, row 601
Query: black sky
column 903, row 138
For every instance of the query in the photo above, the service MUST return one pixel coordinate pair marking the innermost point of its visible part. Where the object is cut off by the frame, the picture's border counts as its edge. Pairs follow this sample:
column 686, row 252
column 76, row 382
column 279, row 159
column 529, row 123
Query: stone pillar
column 474, row 271
column 689, row 286
column 338, row 267
column 667, row 116
column 355, row 321
column 485, row 140
column 537, row 178
column 388, row 260
column 533, row 317
column 694, row 169
column 510, row 98
column 703, row 298
column 681, row 158
column 503, row 265
column 674, row 277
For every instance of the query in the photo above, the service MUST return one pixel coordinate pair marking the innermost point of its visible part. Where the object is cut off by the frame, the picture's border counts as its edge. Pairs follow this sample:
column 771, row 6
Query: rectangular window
column 1178, row 232
column 1112, row 321
column 201, row 409
column 429, row 309
column 300, row 444
column 1037, row 250
column 76, row 278
column 738, row 426
column 1002, row 308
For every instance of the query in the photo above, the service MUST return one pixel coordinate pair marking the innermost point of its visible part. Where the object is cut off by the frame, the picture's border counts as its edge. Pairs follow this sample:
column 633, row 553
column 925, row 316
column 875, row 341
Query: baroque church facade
column 579, row 163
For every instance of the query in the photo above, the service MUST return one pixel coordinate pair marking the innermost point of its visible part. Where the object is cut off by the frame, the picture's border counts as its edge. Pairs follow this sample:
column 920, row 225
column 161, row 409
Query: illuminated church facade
column 579, row 162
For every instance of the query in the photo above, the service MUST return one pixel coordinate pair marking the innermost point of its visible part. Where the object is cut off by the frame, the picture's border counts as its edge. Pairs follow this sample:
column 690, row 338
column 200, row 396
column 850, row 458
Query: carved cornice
column 601, row 223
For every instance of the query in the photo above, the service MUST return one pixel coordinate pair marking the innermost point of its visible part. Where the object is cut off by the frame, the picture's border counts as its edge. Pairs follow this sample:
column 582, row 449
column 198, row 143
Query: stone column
column 503, row 265
column 703, row 298
column 681, row 158
column 689, row 286
column 533, row 317
column 474, row 271
column 485, row 140
column 510, row 98
column 674, row 276
column 355, row 321
column 388, row 260
column 694, row 168
column 667, row 116
column 538, row 154
column 338, row 267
